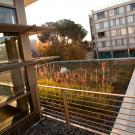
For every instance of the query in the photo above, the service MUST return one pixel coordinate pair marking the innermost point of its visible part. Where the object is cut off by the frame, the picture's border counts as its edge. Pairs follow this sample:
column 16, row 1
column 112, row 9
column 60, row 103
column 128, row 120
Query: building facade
column 113, row 30
column 19, row 106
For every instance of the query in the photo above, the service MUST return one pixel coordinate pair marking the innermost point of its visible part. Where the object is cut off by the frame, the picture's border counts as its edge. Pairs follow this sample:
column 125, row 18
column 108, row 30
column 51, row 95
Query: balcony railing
column 94, row 111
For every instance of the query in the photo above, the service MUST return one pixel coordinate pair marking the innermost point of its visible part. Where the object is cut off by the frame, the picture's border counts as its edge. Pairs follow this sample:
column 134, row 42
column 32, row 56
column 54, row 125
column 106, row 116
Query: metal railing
column 93, row 111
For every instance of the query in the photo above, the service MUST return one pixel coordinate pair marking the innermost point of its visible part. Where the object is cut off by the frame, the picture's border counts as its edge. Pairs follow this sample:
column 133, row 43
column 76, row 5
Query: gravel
column 50, row 126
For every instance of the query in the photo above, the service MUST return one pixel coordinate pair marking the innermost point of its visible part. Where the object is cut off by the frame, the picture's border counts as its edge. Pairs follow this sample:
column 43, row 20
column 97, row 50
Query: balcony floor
column 50, row 126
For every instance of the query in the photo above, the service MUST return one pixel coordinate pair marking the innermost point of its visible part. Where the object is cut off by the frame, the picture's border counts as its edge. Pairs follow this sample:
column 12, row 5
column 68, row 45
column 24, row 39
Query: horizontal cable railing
column 89, row 109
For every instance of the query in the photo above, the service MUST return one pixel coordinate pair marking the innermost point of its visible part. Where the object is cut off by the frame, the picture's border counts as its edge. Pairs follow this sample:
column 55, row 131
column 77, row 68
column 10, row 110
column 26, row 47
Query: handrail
column 87, row 91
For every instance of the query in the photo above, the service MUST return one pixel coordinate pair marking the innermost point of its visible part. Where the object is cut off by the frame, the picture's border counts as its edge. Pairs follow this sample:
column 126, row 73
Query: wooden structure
column 19, row 105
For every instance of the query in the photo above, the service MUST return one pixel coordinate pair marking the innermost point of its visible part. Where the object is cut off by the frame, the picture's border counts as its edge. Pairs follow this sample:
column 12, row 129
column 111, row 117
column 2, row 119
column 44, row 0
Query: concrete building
column 113, row 30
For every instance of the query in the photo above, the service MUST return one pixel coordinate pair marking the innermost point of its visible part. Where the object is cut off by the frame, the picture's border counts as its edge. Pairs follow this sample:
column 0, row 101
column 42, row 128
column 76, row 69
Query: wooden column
column 27, row 55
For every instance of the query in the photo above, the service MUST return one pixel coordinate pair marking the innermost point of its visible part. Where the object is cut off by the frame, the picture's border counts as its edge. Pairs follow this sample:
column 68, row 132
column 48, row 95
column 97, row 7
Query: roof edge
column 28, row 2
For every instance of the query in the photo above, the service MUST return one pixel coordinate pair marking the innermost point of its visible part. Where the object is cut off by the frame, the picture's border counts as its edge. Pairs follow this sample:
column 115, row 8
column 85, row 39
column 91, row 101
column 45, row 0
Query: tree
column 65, row 30
column 56, row 43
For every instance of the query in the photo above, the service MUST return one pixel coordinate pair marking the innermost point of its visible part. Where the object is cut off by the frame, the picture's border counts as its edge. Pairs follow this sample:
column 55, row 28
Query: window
column 107, row 43
column 112, row 23
column 95, row 16
column 8, row 2
column 97, row 26
column 103, row 43
column 113, row 32
column 123, row 31
column 105, row 24
column 131, row 30
column 117, row 22
column 131, row 7
column 7, row 15
column 106, row 13
column 99, row 44
column 101, row 35
column 101, row 25
column 111, row 12
column 131, row 40
column 122, row 21
column 118, row 32
column 116, row 11
column 100, row 15
column 113, row 42
column 130, row 19
column 123, row 41
column 107, row 33
column 118, row 42
column 121, row 10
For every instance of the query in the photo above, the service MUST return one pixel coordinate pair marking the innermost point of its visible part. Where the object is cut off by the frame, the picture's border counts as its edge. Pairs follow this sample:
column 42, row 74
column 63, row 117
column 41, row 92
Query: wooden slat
column 11, row 66
column 15, row 98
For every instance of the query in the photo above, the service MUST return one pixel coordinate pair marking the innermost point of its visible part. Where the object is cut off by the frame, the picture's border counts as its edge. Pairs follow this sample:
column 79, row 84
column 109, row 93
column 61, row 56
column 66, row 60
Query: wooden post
column 66, row 112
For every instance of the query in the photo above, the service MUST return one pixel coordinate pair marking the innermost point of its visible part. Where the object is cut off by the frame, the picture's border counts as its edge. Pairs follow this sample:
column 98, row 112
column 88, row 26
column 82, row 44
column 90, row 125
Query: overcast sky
column 53, row 10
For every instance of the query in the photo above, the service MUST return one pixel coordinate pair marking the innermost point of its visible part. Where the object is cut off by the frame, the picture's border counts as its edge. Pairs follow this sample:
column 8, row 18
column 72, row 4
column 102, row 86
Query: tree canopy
column 65, row 30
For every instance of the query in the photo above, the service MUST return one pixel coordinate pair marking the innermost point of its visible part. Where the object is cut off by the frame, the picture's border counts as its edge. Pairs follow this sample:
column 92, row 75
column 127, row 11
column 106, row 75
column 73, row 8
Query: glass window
column 121, row 10
column 8, row 2
column 107, row 43
column 128, row 8
column 101, row 34
column 100, row 15
column 131, row 7
column 118, row 42
column 99, row 44
column 7, row 15
column 118, row 32
column 130, row 19
column 123, row 31
column 113, row 42
column 105, row 24
column 117, row 22
column 116, row 11
column 9, row 48
column 106, row 13
column 123, row 41
column 97, row 26
column 131, row 30
column 95, row 16
column 103, row 43
column 113, row 32
column 111, row 12
column 131, row 40
column 101, row 25
column 122, row 21
column 107, row 34
column 111, row 23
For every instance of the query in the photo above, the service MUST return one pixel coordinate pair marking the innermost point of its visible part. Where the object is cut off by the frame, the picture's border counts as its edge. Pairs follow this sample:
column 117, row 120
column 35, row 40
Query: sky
column 44, row 11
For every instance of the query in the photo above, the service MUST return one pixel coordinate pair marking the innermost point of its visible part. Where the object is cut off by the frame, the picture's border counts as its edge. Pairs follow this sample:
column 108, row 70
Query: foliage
column 65, row 41
column 66, row 52
column 65, row 30
column 90, row 75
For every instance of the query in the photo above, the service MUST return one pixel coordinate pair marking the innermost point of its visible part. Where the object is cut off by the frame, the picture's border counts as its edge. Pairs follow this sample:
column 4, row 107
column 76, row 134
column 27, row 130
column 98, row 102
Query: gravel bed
column 50, row 126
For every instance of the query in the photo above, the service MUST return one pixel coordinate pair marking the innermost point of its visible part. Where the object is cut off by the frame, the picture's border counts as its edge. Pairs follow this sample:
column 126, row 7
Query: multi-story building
column 113, row 30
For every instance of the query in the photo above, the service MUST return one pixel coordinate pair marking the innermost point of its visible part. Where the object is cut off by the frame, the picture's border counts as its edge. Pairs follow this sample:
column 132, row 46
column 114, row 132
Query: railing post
column 66, row 112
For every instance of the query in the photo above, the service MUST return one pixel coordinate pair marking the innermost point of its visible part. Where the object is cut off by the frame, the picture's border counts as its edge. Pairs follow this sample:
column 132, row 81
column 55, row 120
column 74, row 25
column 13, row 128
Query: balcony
column 77, row 109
